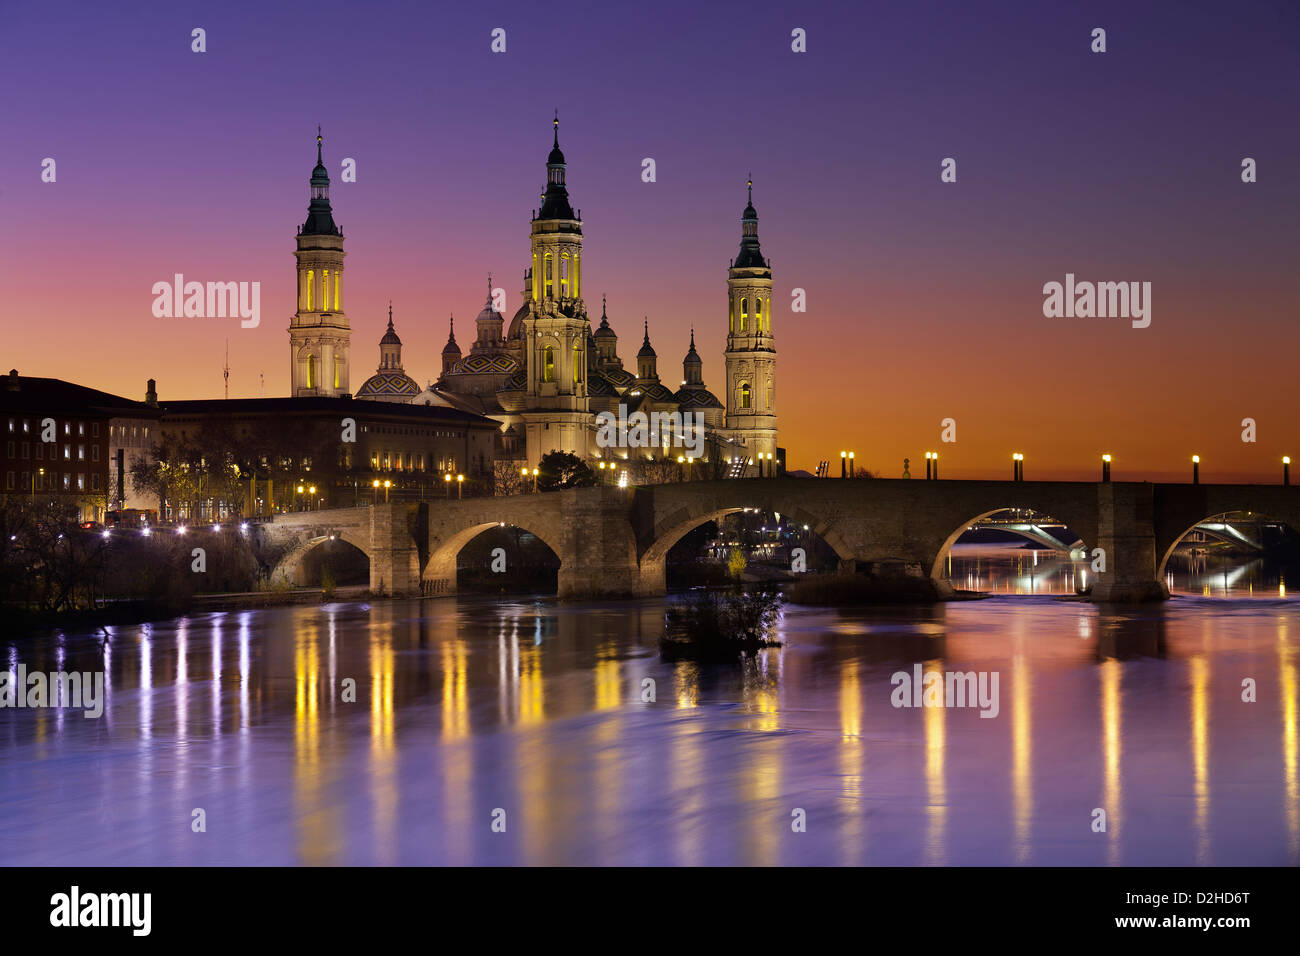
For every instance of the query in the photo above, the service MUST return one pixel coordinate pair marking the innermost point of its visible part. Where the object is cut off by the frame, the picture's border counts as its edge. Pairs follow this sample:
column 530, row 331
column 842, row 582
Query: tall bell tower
column 751, row 350
column 556, row 329
column 319, row 334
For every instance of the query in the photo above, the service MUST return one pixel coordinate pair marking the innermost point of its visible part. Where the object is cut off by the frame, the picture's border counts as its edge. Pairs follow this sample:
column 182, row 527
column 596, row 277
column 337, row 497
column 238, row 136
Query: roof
column 320, row 405
column 55, row 395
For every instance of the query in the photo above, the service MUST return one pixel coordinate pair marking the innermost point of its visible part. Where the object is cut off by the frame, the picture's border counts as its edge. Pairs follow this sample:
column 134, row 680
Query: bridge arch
column 439, row 575
column 1169, row 545
column 1184, row 507
column 1077, row 512
column 289, row 568
column 677, row 524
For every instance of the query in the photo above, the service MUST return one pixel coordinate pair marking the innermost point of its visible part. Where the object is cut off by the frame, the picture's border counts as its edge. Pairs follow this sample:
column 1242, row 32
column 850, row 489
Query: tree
column 560, row 469
column 506, row 479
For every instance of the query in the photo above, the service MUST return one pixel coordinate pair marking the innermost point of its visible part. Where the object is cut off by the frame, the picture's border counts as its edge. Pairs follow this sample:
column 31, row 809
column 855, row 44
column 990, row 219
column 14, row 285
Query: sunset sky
column 924, row 298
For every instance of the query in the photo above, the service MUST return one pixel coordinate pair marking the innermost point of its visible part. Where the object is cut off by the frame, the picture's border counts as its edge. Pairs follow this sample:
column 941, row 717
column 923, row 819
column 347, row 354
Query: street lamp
column 1017, row 467
column 1286, row 470
column 387, row 484
column 376, row 498
column 312, row 489
column 460, row 486
column 851, row 457
column 535, row 473
column 844, row 463
column 447, row 480
column 1196, row 469
column 1105, row 467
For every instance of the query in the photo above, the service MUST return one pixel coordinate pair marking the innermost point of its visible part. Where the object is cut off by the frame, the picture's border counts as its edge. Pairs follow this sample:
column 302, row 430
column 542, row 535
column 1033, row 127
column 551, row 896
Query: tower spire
column 320, row 140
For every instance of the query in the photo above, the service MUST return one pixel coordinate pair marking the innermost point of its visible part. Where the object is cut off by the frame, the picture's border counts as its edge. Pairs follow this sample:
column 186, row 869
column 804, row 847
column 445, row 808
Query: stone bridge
column 614, row 541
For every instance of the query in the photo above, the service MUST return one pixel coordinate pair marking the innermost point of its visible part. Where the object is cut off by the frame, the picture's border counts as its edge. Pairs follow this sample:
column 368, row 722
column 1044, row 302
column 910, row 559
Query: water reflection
column 394, row 733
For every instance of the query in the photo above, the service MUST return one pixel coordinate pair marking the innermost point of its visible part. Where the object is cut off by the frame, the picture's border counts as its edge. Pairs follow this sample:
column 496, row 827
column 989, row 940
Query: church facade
column 548, row 375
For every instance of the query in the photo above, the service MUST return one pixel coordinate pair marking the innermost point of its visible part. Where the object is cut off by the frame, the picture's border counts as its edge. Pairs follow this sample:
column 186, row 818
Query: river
column 517, row 732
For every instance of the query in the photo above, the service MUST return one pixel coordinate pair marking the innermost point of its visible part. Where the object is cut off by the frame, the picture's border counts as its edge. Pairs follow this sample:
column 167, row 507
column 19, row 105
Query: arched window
column 548, row 364
column 547, row 277
column 745, row 398
column 769, row 406
column 577, row 363
column 324, row 289
column 311, row 295
column 731, row 316
column 338, row 371
column 758, row 314
column 311, row 370
column 564, row 275
column 744, row 313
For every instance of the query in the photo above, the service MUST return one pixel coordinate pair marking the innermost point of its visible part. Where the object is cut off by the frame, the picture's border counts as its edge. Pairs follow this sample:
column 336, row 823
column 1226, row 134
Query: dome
column 477, row 363
column 696, row 398
column 388, row 385
column 390, row 337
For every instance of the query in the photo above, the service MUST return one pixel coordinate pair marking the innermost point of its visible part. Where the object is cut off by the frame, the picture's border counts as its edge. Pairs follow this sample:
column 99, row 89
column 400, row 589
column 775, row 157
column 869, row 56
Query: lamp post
column 1286, row 470
column 851, row 457
column 844, row 464
column 929, row 467
column 301, row 489
column 312, row 490
column 387, row 484
column 523, row 482
column 375, row 500
column 1017, row 467
column 447, row 481
column 1196, row 469
column 1105, row 467
column 535, row 474
column 460, row 486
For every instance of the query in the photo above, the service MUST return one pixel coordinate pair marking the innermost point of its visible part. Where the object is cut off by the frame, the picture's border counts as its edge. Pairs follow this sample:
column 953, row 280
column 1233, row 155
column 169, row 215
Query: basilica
column 546, row 375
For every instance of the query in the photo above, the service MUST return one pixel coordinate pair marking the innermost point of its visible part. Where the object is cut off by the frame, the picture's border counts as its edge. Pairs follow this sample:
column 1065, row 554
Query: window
column 547, row 275
column 94, row 481
column 744, row 395
column 12, row 424
column 81, row 482
column 67, row 428
column 67, row 453
column 81, row 429
column 94, row 453
column 744, row 313
column 311, row 370
column 26, row 426
column 94, row 429
column 758, row 314
column 9, row 449
column 27, row 449
column 40, row 452
column 81, row 453
column 577, row 362
column 548, row 364
column 9, row 481
column 67, row 481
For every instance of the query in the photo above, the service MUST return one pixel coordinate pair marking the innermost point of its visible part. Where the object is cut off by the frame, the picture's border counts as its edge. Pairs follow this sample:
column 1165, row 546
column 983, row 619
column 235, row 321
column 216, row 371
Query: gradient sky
column 924, row 298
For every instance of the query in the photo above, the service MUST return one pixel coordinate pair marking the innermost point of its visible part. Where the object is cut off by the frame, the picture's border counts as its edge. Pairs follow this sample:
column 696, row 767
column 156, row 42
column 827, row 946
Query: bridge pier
column 1127, row 537
column 598, row 550
column 394, row 558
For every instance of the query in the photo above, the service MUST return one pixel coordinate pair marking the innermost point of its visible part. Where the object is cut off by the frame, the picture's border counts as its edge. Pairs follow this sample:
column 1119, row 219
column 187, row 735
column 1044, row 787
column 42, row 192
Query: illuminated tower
column 319, row 334
column 555, row 327
column 751, row 351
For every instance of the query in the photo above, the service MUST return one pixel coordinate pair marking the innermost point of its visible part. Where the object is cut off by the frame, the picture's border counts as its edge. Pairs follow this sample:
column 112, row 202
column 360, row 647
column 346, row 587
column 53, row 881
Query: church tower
column 555, row 328
column 319, row 334
column 751, row 351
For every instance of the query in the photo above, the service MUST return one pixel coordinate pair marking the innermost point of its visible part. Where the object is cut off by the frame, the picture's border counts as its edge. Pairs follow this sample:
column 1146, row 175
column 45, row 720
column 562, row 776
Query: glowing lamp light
column 1286, row 459
column 181, row 529
column 1196, row 459
column 243, row 527
column 1105, row 458
column 216, row 527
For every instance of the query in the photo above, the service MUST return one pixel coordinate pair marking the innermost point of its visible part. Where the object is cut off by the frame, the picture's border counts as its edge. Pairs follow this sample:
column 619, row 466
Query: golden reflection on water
column 1199, row 733
column 687, row 766
column 316, row 813
column 852, row 760
column 1022, row 746
column 936, row 810
column 1111, row 677
column 1291, row 793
